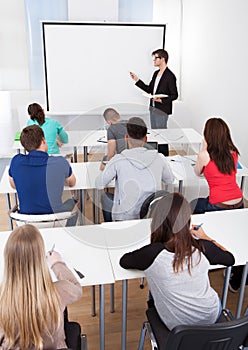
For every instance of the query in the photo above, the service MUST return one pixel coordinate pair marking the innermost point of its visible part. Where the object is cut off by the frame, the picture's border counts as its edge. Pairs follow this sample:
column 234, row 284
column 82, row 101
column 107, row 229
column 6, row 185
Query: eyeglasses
column 155, row 57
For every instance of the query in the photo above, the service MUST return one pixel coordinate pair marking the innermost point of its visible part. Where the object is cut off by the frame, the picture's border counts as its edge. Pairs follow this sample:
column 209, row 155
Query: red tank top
column 222, row 187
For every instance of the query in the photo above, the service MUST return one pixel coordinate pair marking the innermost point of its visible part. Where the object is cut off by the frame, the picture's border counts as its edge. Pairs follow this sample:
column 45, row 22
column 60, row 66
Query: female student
column 176, row 265
column 31, row 305
column 218, row 162
column 54, row 133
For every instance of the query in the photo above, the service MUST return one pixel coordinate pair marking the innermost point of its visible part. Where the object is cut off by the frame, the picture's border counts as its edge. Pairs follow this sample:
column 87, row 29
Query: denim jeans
column 201, row 205
column 107, row 200
column 158, row 118
column 68, row 205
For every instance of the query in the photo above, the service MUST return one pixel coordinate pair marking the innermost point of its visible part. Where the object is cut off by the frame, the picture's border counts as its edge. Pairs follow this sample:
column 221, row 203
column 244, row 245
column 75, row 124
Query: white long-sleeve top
column 138, row 172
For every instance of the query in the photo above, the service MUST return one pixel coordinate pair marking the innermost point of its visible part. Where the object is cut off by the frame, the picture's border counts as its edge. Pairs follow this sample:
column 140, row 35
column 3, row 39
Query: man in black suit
column 163, row 82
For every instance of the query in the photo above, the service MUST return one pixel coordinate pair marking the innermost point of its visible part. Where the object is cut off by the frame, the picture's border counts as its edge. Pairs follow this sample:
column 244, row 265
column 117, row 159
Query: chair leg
column 84, row 345
column 142, row 336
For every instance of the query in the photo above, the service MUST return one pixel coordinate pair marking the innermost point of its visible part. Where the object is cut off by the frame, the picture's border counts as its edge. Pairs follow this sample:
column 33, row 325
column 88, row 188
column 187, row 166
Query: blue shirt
column 39, row 180
column 52, row 129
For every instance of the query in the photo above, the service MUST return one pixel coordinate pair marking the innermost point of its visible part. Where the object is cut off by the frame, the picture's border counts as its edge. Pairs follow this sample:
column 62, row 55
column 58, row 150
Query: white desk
column 191, row 185
column 98, row 138
column 229, row 227
column 82, row 254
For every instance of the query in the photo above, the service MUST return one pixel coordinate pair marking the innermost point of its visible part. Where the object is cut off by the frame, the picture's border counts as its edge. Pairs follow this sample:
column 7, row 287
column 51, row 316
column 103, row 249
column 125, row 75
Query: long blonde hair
column 29, row 303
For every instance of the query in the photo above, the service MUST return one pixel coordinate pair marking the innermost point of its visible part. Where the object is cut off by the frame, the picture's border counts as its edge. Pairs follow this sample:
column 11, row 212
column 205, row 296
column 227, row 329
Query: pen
column 52, row 250
column 102, row 141
column 198, row 226
column 101, row 138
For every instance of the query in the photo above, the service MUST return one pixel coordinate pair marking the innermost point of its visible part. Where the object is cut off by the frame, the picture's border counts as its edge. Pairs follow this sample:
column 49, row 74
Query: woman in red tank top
column 218, row 162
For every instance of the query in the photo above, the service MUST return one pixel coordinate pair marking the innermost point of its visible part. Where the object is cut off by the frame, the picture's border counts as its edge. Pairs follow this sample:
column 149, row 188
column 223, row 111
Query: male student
column 116, row 133
column 138, row 172
column 39, row 178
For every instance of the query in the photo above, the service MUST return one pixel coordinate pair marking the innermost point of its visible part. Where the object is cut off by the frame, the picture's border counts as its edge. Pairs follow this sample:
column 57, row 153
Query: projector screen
column 87, row 65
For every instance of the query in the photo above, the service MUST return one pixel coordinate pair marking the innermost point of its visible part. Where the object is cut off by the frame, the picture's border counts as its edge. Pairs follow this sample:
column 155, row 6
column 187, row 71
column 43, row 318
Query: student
column 176, row 265
column 218, row 162
column 116, row 133
column 31, row 304
column 138, row 172
column 54, row 132
column 39, row 178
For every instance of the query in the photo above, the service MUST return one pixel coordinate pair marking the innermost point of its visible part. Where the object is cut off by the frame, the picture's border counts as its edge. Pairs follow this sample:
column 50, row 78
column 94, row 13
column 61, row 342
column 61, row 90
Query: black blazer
column 167, row 85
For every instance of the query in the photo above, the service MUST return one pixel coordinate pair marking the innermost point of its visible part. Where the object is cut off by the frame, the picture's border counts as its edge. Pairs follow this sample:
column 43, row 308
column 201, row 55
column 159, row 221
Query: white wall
column 212, row 50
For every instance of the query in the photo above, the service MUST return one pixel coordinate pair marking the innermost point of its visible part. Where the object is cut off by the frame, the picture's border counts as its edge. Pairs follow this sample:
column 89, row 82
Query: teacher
column 163, row 82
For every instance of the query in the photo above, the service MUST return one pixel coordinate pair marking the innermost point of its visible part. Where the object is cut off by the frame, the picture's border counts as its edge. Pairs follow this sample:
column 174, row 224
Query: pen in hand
column 52, row 250
column 198, row 227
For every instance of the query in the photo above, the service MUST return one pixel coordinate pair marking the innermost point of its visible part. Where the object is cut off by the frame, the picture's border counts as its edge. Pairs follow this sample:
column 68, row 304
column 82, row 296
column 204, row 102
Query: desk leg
column 93, row 301
column 85, row 153
column 95, row 206
column 180, row 186
column 75, row 154
column 82, row 206
column 242, row 183
column 124, row 315
column 242, row 290
column 112, row 297
column 9, row 207
column 101, row 319
column 225, row 286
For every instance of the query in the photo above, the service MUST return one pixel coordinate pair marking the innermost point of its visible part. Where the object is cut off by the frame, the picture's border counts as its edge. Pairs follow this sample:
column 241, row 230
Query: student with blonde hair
column 31, row 304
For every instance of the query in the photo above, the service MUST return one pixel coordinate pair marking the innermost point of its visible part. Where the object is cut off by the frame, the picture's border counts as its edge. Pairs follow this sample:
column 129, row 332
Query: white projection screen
column 87, row 65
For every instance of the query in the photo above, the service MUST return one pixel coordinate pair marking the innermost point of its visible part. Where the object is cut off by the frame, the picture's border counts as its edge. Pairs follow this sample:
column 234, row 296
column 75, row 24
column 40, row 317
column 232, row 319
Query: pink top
column 222, row 187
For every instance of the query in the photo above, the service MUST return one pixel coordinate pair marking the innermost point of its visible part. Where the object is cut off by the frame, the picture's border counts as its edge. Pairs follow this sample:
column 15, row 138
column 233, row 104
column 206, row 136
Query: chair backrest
column 149, row 203
column 222, row 336
column 229, row 335
column 40, row 220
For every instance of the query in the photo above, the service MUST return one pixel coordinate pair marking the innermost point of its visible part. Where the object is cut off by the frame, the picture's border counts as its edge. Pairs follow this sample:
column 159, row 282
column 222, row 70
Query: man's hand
column 134, row 76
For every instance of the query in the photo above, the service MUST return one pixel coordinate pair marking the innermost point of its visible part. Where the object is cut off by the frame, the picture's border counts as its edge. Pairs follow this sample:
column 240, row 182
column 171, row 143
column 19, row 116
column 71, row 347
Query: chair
column 73, row 337
column 231, row 335
column 149, row 203
column 146, row 211
column 41, row 220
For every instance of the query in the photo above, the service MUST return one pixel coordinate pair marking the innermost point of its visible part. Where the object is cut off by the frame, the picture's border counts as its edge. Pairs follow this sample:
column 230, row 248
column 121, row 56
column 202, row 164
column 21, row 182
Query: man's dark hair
column 31, row 137
column 111, row 114
column 136, row 128
column 161, row 53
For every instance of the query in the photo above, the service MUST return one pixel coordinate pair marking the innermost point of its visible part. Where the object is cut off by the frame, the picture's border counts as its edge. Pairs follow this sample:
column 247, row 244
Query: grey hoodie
column 138, row 172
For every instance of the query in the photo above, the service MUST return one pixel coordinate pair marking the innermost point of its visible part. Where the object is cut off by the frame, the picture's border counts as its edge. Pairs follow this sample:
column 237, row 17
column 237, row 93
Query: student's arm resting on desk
column 214, row 252
column 107, row 175
column 61, row 133
column 71, row 180
column 167, row 175
column 111, row 149
column 67, row 283
column 141, row 258
column 202, row 160
column 12, row 183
